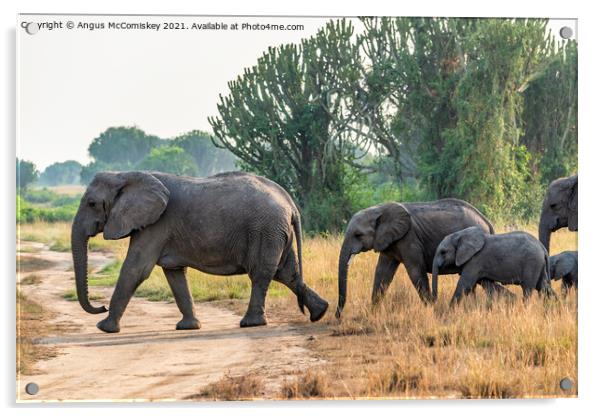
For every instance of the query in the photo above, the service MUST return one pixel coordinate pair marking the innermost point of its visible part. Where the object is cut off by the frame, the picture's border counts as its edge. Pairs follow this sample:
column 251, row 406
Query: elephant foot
column 318, row 311
column 316, row 305
column 108, row 325
column 188, row 323
column 253, row 320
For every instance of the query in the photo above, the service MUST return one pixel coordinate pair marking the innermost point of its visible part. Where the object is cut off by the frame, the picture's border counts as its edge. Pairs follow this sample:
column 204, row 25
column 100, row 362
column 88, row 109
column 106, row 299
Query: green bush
column 27, row 212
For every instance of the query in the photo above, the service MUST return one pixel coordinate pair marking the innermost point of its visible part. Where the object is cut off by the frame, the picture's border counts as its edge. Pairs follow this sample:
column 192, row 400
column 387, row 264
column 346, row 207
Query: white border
column 589, row 96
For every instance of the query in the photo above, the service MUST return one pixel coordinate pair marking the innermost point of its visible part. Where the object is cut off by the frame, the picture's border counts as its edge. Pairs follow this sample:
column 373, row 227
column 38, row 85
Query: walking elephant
column 559, row 208
column 227, row 224
column 512, row 258
column 565, row 266
column 407, row 233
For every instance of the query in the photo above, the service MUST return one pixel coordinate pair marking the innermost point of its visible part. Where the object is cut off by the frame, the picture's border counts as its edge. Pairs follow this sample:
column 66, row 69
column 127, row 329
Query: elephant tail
column 544, row 283
column 490, row 225
column 296, row 221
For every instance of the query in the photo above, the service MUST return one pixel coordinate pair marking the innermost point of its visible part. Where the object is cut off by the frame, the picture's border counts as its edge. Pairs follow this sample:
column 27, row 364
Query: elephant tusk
column 350, row 258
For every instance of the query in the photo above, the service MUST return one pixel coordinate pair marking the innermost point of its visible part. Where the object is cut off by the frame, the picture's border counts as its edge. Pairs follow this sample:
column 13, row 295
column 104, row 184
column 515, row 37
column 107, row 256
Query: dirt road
column 148, row 359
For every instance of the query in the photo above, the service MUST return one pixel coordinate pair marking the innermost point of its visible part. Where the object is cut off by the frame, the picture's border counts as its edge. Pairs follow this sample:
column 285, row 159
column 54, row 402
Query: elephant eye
column 91, row 204
column 553, row 206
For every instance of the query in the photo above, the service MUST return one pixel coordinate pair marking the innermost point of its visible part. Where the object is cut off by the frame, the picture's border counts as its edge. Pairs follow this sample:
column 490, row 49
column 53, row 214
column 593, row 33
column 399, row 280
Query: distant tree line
column 408, row 108
column 130, row 148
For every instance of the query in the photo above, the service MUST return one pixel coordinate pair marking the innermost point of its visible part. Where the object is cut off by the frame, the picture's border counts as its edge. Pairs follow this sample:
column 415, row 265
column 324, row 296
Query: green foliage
column 87, row 173
column 61, row 173
column 49, row 197
column 480, row 158
column 209, row 158
column 27, row 212
column 45, row 205
column 449, row 102
column 550, row 116
column 129, row 148
column 26, row 174
column 170, row 159
column 122, row 146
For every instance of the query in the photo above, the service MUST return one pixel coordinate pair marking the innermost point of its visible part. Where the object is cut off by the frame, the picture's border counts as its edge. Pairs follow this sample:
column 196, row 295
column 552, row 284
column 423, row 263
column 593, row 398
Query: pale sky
column 75, row 83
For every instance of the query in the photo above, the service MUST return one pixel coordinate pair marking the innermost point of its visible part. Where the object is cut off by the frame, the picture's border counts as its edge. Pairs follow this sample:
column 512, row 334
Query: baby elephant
column 564, row 266
column 511, row 258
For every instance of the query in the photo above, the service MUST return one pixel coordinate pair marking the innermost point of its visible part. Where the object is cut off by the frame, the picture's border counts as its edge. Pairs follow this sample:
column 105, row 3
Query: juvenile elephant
column 511, row 258
column 407, row 233
column 565, row 266
column 559, row 208
column 227, row 224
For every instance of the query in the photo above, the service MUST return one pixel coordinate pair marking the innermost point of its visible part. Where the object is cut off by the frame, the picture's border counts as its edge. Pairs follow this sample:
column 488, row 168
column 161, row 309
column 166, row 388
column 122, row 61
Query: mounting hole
column 32, row 389
column 32, row 28
column 566, row 32
column 566, row 384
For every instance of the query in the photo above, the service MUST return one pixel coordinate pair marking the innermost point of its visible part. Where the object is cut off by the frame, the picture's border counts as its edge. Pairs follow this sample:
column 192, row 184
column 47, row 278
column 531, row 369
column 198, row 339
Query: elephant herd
column 235, row 222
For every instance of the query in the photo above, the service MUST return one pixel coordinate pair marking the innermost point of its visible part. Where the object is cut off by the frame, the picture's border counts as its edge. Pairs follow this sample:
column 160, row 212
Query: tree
column 285, row 119
column 403, row 98
column 169, row 159
column 209, row 159
column 26, row 174
column 550, row 115
column 122, row 146
column 480, row 157
column 61, row 173
column 118, row 149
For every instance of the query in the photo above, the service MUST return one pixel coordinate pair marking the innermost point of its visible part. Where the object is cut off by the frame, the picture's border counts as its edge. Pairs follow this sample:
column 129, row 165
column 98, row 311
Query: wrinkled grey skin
column 559, row 208
column 565, row 266
column 227, row 224
column 407, row 233
column 511, row 258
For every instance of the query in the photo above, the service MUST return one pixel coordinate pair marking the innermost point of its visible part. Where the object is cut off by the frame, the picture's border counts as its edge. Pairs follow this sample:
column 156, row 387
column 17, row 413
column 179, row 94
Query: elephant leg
column 385, row 271
column 420, row 281
column 181, row 293
column 137, row 266
column 255, row 315
column 527, row 291
column 493, row 289
column 288, row 275
column 464, row 287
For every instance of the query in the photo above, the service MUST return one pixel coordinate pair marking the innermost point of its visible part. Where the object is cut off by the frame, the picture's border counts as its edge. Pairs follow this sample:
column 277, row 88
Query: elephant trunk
column 344, row 259
column 79, row 250
column 435, row 273
column 544, row 233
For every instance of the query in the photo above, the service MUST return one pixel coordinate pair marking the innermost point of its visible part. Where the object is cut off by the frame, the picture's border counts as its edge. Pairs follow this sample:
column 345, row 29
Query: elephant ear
column 392, row 224
column 573, row 206
column 140, row 201
column 470, row 242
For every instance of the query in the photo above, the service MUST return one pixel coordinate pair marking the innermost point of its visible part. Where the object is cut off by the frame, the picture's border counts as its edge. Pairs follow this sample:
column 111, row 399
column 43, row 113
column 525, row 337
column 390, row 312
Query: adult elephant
column 559, row 208
column 227, row 224
column 407, row 233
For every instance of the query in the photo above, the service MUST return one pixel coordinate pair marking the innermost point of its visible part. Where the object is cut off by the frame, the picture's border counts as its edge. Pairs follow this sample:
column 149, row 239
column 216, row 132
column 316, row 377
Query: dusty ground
column 148, row 359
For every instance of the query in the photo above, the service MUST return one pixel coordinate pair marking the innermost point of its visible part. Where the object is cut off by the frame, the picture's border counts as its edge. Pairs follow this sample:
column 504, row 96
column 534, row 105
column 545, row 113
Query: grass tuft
column 245, row 387
column 310, row 385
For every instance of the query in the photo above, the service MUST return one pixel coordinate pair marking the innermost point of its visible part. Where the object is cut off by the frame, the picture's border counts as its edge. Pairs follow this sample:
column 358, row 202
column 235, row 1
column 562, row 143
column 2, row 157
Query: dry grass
column 30, row 325
column 245, row 387
column 58, row 236
column 312, row 384
column 69, row 190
